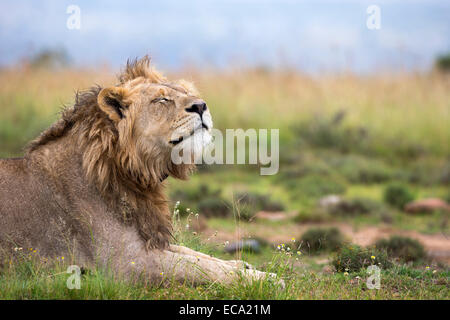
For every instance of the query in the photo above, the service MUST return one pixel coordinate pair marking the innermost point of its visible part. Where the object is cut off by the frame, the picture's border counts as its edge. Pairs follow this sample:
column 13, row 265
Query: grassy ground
column 402, row 283
column 31, row 278
column 343, row 134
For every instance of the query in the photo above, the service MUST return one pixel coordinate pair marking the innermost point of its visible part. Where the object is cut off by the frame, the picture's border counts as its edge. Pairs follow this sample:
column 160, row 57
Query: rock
column 330, row 201
column 251, row 245
column 427, row 206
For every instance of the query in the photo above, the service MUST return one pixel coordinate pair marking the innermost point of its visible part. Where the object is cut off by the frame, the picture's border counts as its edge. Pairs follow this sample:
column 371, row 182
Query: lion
column 91, row 186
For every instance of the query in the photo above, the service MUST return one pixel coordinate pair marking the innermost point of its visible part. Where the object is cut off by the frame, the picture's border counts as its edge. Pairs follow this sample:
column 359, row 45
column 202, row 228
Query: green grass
column 32, row 279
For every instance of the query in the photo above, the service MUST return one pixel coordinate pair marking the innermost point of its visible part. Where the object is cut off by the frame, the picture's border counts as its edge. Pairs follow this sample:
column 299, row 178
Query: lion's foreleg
column 187, row 251
column 185, row 265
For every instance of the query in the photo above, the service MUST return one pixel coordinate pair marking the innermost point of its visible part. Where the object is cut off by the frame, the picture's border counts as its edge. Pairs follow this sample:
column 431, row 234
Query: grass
column 32, row 279
column 343, row 134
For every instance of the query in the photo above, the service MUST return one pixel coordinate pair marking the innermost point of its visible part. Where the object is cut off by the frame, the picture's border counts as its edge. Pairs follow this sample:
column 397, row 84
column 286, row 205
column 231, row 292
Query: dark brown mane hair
column 86, row 100
column 131, row 184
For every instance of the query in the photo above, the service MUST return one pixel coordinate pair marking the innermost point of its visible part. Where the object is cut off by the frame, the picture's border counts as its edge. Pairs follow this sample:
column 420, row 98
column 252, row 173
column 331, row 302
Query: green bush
column 353, row 258
column 214, row 207
column 317, row 240
column 332, row 133
column 195, row 195
column 250, row 203
column 443, row 62
column 355, row 207
column 360, row 169
column 404, row 248
column 398, row 195
column 259, row 201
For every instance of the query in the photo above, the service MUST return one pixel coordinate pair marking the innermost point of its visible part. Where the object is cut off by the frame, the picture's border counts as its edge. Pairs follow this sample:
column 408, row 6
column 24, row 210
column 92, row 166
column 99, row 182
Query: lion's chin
column 196, row 142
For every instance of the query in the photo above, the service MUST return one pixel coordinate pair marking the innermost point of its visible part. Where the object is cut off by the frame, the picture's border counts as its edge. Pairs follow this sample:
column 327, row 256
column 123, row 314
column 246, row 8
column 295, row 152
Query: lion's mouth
column 180, row 139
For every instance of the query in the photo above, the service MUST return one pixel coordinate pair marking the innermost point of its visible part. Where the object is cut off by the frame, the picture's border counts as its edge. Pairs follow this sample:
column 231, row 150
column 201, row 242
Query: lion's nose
column 198, row 107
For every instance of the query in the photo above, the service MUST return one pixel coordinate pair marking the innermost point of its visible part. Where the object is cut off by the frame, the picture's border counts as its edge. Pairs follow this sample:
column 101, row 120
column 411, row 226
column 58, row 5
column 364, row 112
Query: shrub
column 332, row 133
column 356, row 206
column 192, row 197
column 319, row 239
column 214, row 207
column 404, row 248
column 250, row 203
column 398, row 195
column 195, row 195
column 353, row 258
column 245, row 213
column 259, row 201
column 443, row 62
column 359, row 169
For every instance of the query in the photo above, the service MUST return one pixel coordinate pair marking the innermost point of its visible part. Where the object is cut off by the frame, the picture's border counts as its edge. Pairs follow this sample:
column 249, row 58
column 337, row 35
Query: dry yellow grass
column 411, row 107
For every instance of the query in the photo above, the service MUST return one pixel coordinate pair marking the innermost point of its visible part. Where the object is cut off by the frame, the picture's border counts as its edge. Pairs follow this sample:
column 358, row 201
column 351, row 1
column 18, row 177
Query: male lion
column 90, row 187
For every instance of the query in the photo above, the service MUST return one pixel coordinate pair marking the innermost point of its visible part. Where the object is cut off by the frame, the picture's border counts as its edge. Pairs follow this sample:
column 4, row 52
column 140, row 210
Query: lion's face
column 170, row 115
column 157, row 117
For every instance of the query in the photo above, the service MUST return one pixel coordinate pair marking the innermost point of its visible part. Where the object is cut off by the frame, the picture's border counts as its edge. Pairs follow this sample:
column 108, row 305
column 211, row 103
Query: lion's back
column 14, row 178
column 25, row 206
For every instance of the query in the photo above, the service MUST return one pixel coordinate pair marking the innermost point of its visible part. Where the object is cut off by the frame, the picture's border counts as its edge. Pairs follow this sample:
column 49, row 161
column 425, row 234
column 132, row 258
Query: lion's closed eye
column 160, row 99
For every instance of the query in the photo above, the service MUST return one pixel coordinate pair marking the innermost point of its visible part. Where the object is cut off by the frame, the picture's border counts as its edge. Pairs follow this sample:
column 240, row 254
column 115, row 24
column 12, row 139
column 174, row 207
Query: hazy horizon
column 308, row 35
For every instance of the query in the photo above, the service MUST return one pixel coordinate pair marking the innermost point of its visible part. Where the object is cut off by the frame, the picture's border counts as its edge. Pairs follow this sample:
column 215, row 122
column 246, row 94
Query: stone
column 330, row 201
column 427, row 206
column 249, row 245
column 271, row 215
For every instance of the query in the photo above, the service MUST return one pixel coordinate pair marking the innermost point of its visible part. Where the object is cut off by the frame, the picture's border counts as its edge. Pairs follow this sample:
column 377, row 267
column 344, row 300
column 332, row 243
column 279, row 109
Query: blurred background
column 363, row 112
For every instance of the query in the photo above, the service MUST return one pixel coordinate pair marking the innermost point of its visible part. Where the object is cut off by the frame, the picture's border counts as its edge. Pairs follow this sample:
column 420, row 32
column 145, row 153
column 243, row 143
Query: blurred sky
column 313, row 36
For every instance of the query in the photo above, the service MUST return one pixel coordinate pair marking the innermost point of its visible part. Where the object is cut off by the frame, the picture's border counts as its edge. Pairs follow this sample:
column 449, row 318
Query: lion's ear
column 112, row 101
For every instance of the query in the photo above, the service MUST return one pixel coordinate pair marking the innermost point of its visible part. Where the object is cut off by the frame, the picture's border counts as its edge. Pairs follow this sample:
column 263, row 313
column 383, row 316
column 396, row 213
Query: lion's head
column 153, row 114
column 125, row 135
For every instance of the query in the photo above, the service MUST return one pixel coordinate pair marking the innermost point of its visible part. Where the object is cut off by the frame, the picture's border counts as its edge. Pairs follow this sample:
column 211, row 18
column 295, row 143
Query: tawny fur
column 116, row 167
